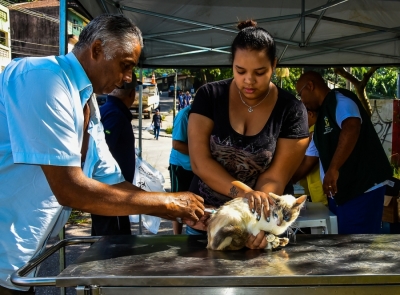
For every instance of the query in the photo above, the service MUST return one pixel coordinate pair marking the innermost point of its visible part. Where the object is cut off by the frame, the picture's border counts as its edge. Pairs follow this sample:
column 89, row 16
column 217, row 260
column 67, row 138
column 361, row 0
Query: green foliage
column 157, row 72
column 396, row 171
column 288, row 83
column 382, row 83
column 78, row 217
column 168, row 130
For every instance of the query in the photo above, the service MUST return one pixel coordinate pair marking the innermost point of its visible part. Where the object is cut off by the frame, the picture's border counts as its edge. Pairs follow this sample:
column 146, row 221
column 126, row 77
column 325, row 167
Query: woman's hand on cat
column 259, row 201
column 257, row 242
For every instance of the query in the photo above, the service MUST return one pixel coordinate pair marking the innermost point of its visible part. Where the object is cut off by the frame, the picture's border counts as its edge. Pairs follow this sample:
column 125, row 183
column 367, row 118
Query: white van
column 151, row 100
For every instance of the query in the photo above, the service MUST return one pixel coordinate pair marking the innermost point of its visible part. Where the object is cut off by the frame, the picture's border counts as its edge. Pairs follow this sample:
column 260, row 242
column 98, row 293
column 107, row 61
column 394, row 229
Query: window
column 3, row 53
column 3, row 38
column 3, row 15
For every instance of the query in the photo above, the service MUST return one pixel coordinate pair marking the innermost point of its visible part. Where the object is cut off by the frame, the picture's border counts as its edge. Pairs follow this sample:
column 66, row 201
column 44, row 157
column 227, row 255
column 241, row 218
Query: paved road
column 156, row 153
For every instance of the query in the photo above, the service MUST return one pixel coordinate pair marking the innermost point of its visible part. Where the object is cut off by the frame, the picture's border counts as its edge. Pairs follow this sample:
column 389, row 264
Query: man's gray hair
column 116, row 32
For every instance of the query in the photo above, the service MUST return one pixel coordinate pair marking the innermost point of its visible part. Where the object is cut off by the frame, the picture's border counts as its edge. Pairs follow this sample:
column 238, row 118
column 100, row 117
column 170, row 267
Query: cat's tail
column 229, row 237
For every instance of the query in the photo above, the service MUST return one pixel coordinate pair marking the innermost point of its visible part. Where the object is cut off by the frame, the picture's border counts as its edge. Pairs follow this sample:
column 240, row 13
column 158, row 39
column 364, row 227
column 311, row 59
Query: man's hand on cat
column 201, row 224
column 185, row 205
column 259, row 201
column 257, row 242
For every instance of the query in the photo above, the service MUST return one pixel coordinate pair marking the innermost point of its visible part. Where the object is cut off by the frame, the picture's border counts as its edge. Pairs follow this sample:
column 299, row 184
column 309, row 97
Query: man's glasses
column 298, row 95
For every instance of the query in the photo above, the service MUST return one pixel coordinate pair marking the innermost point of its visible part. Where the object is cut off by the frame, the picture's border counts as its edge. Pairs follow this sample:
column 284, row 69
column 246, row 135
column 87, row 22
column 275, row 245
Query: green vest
column 366, row 166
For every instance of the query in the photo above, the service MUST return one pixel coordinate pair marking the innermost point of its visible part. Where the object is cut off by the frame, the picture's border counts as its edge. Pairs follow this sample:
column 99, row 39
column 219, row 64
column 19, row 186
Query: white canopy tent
column 198, row 33
column 308, row 32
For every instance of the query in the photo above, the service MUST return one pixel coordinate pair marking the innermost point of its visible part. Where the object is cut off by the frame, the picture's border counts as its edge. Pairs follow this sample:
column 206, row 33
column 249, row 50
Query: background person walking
column 157, row 123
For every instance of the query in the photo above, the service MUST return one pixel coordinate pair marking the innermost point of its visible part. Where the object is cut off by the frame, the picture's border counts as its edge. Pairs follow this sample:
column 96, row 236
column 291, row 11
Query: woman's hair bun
column 246, row 23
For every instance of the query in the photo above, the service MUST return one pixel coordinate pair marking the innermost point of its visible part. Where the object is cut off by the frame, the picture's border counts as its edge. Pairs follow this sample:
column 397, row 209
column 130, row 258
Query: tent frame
column 323, row 46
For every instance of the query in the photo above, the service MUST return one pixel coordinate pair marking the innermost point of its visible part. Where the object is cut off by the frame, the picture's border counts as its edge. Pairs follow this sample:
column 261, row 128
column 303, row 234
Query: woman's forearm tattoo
column 233, row 192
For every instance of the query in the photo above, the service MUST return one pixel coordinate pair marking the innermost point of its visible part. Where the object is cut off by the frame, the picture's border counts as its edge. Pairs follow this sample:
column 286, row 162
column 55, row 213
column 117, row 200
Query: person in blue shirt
column 180, row 100
column 53, row 150
column 188, row 98
column 180, row 169
column 116, row 119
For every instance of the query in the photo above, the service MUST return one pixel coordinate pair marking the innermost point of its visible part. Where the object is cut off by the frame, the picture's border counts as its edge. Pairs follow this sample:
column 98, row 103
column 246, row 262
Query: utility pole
column 348, row 84
column 398, row 83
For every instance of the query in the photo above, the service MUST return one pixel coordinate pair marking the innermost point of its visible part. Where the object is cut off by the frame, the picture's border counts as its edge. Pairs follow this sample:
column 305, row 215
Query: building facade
column 35, row 27
column 5, row 37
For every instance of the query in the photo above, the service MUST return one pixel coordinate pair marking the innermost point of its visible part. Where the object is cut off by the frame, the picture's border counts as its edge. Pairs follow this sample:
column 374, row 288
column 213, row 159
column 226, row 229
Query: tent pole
column 140, row 110
column 63, row 44
column 303, row 23
column 398, row 83
column 176, row 84
column 140, row 129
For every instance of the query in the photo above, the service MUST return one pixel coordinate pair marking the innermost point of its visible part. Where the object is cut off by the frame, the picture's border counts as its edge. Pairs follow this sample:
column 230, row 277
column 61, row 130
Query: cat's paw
column 279, row 242
column 270, row 238
column 275, row 243
column 283, row 242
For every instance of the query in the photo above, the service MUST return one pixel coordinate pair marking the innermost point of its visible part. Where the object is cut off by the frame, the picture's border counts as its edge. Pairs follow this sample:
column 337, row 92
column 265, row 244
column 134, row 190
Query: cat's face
column 285, row 209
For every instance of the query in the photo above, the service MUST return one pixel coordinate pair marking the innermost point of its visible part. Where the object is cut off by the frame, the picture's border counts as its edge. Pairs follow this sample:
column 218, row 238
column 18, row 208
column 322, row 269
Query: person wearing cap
column 116, row 119
column 53, row 151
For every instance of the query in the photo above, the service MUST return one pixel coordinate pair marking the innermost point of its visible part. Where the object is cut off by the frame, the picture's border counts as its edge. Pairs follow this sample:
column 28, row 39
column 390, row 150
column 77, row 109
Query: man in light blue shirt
column 180, row 169
column 52, row 147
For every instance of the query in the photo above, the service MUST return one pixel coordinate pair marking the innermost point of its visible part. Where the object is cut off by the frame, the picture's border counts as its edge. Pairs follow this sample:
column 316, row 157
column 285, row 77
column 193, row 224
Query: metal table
column 315, row 264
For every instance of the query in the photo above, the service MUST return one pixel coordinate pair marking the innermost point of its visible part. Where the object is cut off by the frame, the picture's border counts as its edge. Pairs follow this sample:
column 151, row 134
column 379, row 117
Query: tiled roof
column 36, row 4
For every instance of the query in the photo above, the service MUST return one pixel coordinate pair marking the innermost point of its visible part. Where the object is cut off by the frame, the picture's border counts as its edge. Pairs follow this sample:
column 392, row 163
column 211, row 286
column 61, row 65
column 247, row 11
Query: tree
column 289, row 83
column 382, row 84
column 359, row 85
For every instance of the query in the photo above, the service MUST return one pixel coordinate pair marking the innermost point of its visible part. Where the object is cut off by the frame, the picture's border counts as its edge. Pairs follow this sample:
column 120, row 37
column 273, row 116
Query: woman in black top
column 246, row 136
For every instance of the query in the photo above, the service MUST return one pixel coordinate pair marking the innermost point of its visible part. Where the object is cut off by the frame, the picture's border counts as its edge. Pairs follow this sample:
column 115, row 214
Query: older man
column 353, row 163
column 52, row 147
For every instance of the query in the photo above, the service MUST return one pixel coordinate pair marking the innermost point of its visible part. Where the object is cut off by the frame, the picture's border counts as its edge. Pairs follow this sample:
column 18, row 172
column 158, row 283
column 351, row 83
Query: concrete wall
column 385, row 118
column 34, row 36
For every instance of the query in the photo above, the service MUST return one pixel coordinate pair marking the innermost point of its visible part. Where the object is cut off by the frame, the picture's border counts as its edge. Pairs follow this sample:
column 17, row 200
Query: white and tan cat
column 230, row 226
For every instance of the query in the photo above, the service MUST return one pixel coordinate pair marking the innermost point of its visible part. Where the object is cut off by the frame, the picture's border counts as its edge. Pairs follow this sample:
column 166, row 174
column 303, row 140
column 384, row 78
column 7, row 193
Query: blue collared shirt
column 41, row 123
column 116, row 119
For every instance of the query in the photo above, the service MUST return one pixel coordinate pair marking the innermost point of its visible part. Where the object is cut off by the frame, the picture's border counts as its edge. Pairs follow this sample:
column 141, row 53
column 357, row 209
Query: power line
column 34, row 49
column 56, row 46
column 23, row 53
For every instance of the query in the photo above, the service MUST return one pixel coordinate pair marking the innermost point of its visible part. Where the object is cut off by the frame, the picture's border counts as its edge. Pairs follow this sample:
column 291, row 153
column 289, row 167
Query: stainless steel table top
column 314, row 260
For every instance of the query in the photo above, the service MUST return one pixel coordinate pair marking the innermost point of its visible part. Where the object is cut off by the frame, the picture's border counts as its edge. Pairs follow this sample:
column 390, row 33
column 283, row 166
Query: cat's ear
column 272, row 198
column 300, row 201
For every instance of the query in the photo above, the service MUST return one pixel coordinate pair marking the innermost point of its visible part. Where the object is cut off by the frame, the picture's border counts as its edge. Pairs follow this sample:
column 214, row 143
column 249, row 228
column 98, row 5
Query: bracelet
column 179, row 220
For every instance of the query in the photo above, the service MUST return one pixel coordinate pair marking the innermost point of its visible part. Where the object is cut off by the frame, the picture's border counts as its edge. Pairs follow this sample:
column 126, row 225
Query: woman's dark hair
column 253, row 38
